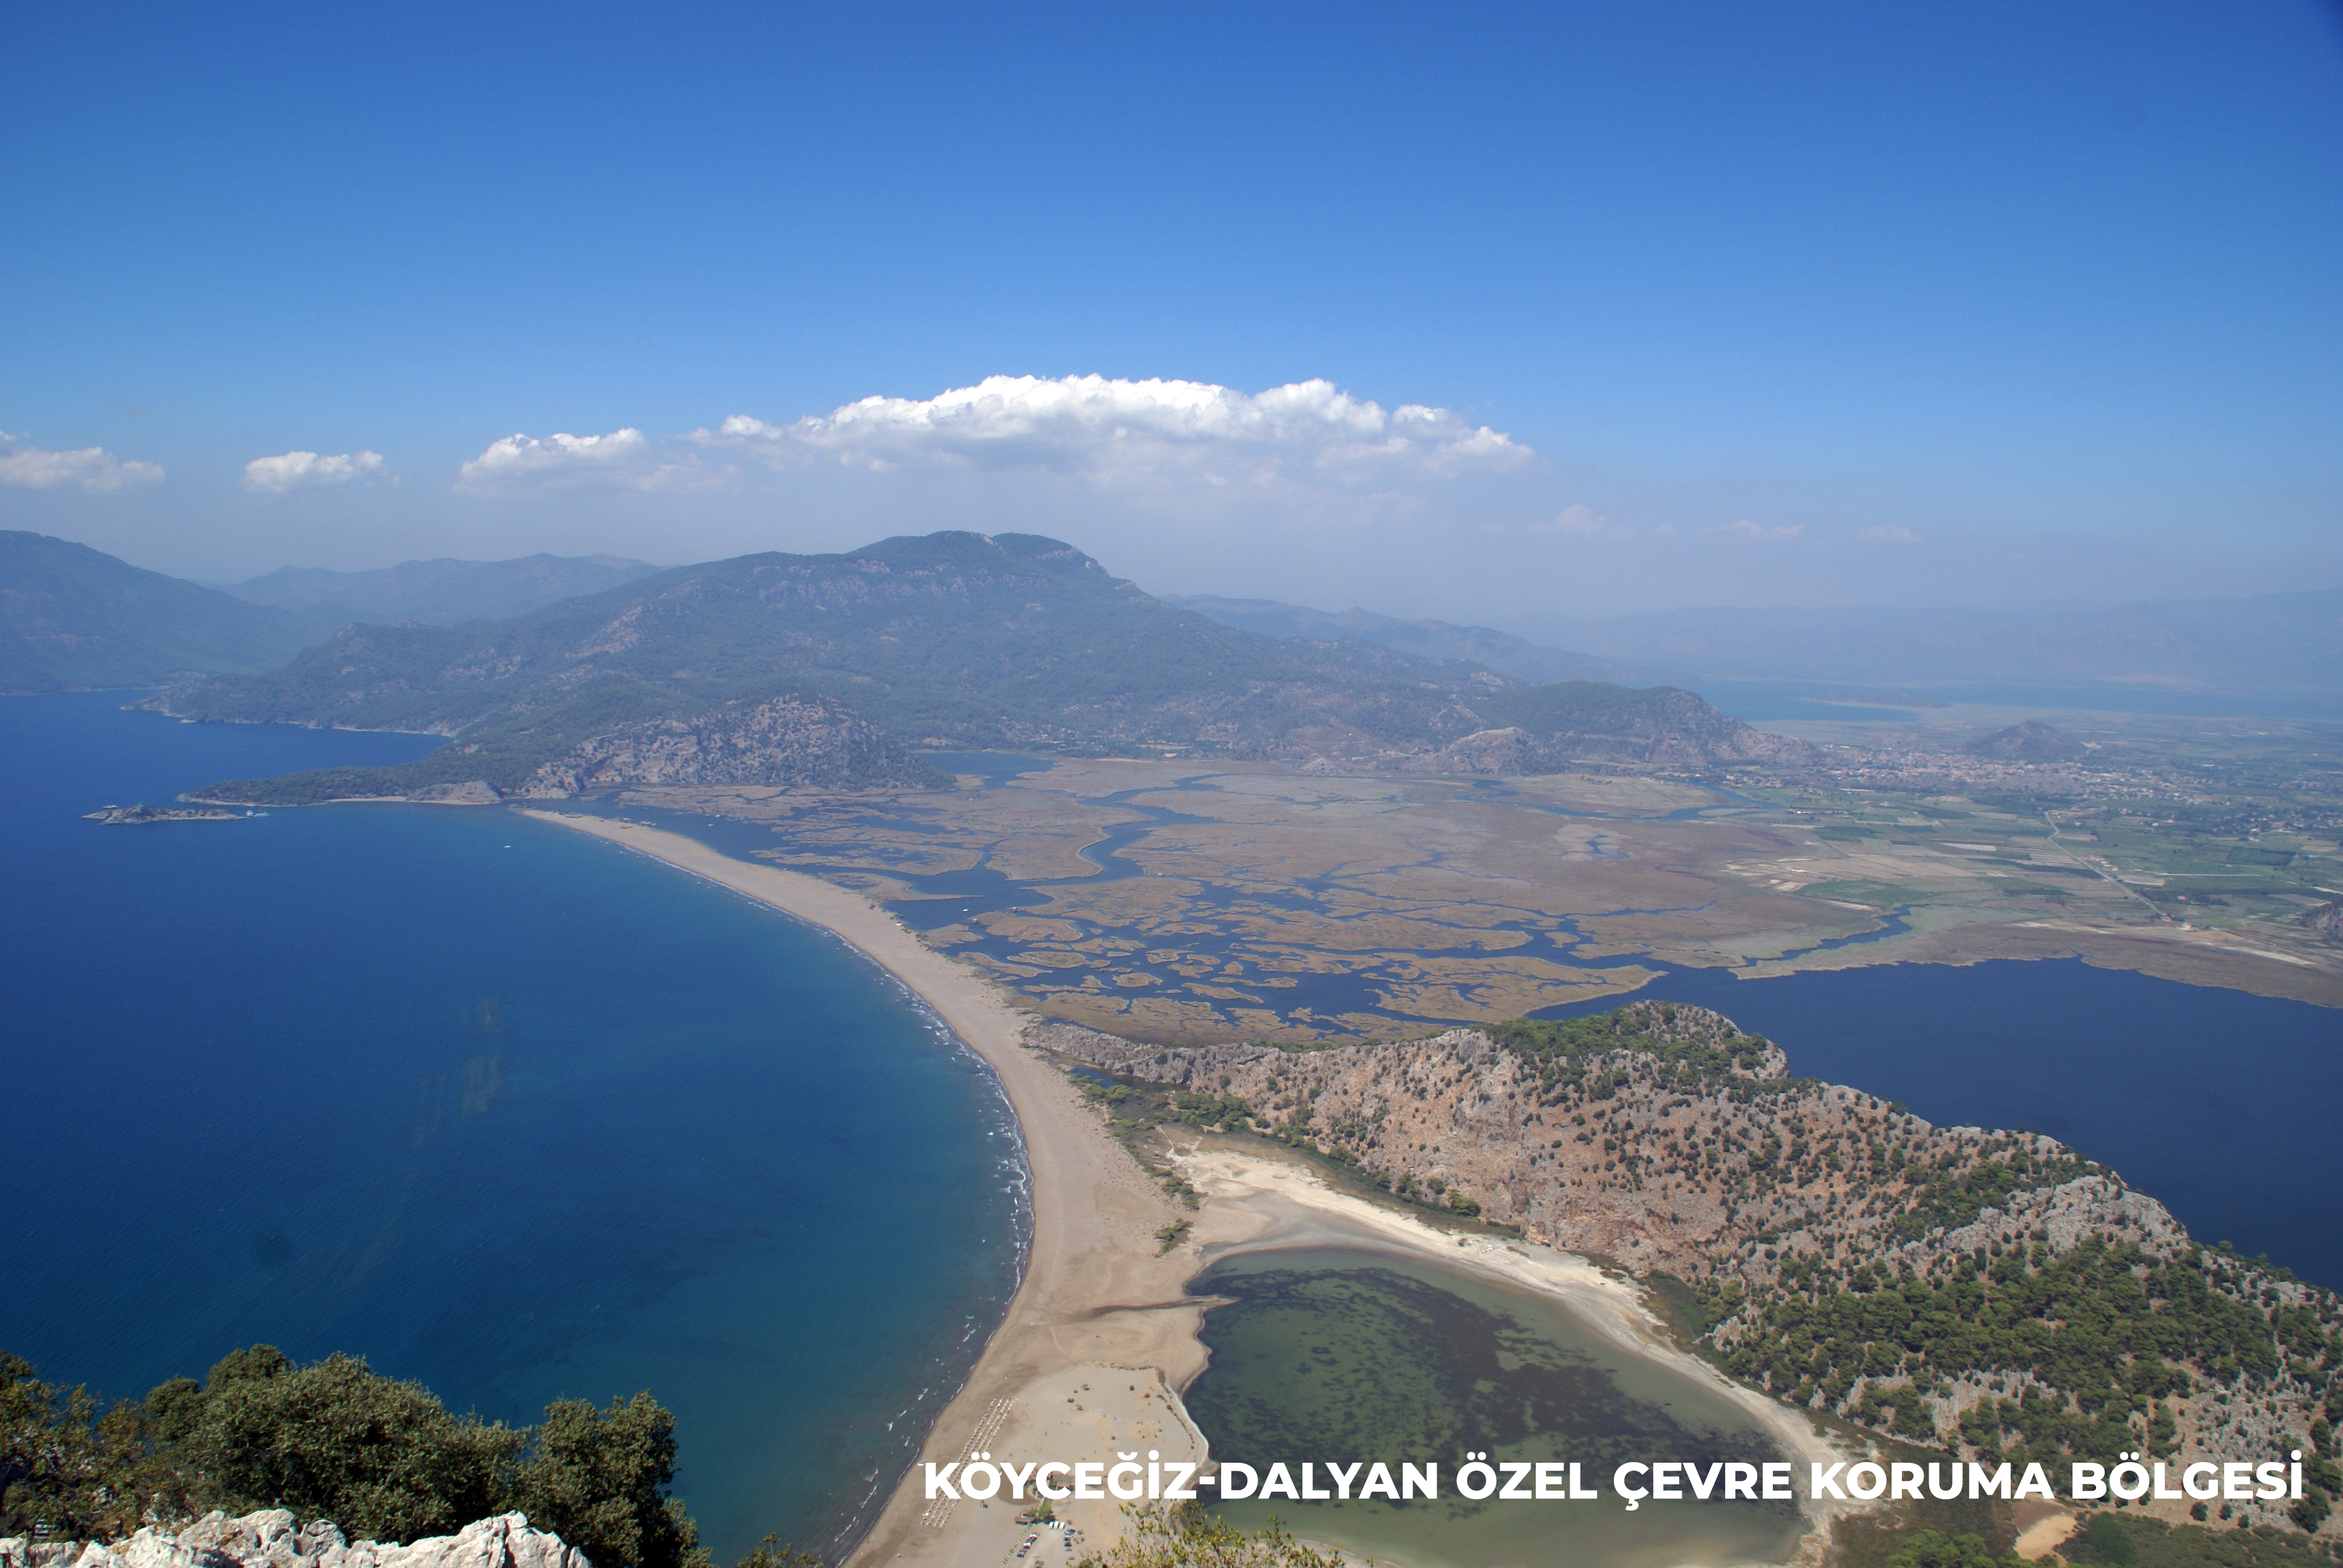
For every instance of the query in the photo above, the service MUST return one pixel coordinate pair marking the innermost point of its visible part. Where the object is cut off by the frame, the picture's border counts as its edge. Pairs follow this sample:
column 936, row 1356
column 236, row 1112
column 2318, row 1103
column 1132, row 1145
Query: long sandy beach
column 1100, row 1337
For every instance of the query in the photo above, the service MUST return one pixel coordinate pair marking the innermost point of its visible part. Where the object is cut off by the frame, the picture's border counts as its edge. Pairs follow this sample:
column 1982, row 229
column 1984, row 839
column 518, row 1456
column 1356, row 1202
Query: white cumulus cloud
column 1308, row 430
column 90, row 467
column 290, row 471
column 623, row 459
column 1890, row 534
column 1758, row 533
column 1583, row 521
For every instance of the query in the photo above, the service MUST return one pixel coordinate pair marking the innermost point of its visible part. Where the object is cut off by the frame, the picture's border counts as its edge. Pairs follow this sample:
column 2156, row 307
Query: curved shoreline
column 1097, row 1300
column 1101, row 1320
column 1291, row 1205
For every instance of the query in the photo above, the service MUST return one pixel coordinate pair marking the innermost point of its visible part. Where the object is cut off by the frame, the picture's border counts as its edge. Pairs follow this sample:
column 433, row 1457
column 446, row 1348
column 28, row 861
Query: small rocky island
column 164, row 814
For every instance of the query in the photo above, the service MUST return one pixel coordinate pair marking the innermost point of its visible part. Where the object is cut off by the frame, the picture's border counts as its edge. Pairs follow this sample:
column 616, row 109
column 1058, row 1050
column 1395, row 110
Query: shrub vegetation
column 381, row 1458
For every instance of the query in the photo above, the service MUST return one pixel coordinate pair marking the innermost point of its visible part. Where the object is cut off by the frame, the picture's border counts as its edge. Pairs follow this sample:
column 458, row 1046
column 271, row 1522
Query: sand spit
column 1100, row 1337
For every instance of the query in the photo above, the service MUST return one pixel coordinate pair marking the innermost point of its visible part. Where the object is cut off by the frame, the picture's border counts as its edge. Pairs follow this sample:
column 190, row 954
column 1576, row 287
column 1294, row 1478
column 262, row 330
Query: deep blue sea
column 503, row 1109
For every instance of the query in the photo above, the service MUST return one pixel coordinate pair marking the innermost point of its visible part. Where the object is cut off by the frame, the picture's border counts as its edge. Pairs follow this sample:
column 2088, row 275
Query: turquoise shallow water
column 1338, row 1355
column 502, row 1108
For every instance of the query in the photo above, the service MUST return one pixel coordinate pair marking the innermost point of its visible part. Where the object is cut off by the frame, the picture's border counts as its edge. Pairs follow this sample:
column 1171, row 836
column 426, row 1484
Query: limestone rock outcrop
column 789, row 742
column 273, row 1538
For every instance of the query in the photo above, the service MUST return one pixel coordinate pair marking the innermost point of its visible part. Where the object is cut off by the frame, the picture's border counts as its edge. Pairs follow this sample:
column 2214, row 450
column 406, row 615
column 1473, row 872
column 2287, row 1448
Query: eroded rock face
column 787, row 742
column 274, row 1539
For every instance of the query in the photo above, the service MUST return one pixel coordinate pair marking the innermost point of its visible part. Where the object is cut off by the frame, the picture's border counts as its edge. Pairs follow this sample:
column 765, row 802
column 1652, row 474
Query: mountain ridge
column 73, row 618
column 1499, row 650
column 948, row 639
column 442, row 591
column 2267, row 642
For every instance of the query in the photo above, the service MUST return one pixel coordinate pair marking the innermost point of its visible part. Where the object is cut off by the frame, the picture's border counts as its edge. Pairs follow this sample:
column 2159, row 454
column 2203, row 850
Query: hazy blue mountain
column 955, row 639
column 2030, row 741
column 1437, row 640
column 443, row 592
column 75, row 618
column 2270, row 643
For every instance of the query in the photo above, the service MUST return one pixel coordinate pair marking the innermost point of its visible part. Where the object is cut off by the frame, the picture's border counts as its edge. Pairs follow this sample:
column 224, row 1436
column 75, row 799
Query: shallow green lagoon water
column 1340, row 1354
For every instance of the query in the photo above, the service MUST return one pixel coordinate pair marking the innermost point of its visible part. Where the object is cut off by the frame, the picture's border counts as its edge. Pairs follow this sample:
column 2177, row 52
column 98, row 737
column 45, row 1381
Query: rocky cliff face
column 788, row 742
column 274, row 1539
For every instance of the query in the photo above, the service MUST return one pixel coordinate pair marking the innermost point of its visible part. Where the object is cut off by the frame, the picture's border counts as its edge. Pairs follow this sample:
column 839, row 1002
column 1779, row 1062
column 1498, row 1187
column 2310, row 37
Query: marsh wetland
column 1180, row 901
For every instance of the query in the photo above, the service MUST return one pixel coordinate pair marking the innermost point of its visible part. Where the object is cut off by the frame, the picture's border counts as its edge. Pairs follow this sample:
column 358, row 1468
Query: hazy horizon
column 1396, row 608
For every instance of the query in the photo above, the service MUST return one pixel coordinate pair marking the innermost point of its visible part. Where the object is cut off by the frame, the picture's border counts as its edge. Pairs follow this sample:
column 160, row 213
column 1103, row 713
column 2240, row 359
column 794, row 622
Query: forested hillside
column 73, row 618
column 442, row 592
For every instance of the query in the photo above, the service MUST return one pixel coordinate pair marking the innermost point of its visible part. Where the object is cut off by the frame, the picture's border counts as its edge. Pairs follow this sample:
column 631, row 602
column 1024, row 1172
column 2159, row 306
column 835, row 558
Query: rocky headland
column 1990, row 1292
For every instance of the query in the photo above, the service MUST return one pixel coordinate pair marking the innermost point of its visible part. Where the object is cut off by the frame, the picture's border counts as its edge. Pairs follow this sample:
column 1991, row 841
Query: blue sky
column 1768, row 305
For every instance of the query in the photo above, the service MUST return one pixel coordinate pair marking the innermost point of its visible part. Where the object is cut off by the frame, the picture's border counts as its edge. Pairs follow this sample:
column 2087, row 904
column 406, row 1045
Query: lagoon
column 1334, row 1354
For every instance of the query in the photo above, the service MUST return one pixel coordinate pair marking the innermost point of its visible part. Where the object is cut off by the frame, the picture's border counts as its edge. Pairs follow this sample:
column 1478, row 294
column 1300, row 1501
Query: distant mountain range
column 560, row 675
column 2270, row 643
column 76, row 619
column 2275, row 643
column 442, row 592
column 831, row 670
column 1437, row 639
